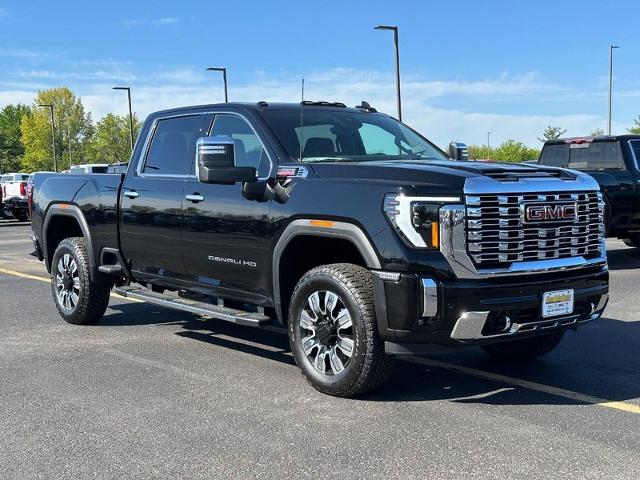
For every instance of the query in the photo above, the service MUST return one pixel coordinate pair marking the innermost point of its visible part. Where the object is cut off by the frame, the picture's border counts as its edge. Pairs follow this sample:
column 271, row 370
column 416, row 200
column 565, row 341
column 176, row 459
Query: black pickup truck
column 343, row 225
column 614, row 161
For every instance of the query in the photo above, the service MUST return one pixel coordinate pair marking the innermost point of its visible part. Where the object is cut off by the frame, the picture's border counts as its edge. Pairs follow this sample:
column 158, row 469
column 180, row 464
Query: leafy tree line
column 25, row 134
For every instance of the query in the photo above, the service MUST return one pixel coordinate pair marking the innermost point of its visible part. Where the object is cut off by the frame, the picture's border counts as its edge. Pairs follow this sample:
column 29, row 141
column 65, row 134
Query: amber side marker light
column 322, row 223
column 435, row 239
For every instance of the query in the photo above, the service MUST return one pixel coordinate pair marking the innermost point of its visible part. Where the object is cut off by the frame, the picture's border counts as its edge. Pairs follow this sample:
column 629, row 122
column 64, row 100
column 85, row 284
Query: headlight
column 416, row 219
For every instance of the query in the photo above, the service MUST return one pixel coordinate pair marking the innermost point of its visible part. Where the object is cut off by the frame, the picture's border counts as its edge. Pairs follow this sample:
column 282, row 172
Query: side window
column 248, row 148
column 378, row 141
column 173, row 146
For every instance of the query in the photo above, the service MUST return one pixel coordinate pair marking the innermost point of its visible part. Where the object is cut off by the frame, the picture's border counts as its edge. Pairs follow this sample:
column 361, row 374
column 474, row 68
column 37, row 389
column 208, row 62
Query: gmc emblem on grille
column 559, row 212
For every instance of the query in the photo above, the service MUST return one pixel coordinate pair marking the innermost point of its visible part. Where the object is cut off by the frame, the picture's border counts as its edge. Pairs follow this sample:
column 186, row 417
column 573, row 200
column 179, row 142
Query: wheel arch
column 64, row 220
column 345, row 241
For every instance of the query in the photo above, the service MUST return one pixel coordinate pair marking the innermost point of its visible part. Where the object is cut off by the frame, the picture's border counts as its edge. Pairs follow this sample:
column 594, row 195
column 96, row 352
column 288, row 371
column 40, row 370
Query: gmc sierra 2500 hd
column 342, row 224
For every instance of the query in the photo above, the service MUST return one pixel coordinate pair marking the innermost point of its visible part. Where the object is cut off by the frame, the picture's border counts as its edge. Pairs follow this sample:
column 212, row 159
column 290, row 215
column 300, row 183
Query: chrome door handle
column 131, row 194
column 195, row 198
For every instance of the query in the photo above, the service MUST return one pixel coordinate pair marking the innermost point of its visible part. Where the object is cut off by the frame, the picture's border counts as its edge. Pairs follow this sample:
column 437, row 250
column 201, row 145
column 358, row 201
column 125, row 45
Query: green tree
column 598, row 132
column 478, row 152
column 551, row 133
column 11, row 150
column 512, row 151
column 636, row 127
column 111, row 141
column 74, row 130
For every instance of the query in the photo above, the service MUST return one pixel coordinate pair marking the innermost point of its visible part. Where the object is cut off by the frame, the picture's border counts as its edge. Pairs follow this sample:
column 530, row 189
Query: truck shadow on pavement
column 601, row 360
column 624, row 258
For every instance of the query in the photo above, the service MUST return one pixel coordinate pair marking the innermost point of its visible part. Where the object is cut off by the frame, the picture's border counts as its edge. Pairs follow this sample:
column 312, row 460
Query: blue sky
column 467, row 67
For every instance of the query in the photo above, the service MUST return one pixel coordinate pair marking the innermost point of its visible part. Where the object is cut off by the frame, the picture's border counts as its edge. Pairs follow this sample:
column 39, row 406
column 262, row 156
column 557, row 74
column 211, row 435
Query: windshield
column 329, row 135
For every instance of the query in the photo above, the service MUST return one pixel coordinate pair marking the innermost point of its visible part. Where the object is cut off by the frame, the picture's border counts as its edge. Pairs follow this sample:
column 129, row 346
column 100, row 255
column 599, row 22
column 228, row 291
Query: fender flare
column 341, row 230
column 73, row 211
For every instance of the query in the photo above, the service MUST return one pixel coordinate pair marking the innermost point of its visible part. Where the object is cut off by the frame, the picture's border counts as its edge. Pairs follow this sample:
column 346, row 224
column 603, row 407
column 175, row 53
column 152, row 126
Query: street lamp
column 488, row 145
column 394, row 29
column 53, row 134
column 128, row 89
column 611, row 47
column 224, row 79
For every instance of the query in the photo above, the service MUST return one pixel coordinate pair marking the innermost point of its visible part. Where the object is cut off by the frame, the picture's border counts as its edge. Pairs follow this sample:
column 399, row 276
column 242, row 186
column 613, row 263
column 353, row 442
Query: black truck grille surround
column 497, row 234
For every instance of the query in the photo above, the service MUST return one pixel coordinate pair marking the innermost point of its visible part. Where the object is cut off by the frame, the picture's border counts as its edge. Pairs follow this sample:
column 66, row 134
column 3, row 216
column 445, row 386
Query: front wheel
column 526, row 349
column 79, row 300
column 632, row 242
column 333, row 331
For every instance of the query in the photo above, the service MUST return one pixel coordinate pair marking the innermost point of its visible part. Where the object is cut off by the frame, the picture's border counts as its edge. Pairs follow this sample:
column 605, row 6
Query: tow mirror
column 458, row 151
column 215, row 160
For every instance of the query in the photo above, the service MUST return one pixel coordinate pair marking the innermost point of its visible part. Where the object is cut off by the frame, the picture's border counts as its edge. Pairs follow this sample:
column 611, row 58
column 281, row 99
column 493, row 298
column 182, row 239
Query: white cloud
column 156, row 22
column 169, row 88
column 25, row 53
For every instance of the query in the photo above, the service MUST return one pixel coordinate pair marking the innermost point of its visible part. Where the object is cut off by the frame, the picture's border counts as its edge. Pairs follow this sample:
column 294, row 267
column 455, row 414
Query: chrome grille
column 497, row 235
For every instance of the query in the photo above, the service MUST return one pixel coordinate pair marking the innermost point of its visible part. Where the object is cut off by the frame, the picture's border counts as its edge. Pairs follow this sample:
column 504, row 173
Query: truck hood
column 444, row 174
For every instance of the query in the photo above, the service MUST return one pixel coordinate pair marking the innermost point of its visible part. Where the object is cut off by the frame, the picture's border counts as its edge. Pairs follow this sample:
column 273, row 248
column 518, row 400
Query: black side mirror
column 458, row 151
column 215, row 162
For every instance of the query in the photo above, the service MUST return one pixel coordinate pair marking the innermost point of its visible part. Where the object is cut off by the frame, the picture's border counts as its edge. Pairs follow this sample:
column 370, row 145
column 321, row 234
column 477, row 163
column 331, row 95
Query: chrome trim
column 429, row 297
column 470, row 324
column 453, row 247
column 131, row 194
column 633, row 154
column 390, row 276
column 483, row 185
column 453, row 234
column 194, row 198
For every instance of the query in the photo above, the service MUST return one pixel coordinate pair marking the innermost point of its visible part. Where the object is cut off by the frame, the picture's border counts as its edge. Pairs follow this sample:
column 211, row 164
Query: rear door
column 227, row 236
column 152, row 196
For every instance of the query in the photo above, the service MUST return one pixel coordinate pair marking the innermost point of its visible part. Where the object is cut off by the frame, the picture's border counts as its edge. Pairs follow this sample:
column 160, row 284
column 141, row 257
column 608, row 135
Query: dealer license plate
column 558, row 302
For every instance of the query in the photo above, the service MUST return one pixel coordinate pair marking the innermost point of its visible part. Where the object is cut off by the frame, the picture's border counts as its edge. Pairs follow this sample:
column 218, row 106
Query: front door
column 226, row 236
column 152, row 198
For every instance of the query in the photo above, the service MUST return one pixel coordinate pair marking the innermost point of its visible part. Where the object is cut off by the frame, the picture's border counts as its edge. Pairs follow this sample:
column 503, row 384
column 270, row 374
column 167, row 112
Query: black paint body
column 169, row 241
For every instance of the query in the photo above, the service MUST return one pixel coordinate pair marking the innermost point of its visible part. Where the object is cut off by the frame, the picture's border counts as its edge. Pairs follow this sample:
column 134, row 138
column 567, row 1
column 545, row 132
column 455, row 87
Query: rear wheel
column 632, row 241
column 78, row 300
column 333, row 331
column 526, row 349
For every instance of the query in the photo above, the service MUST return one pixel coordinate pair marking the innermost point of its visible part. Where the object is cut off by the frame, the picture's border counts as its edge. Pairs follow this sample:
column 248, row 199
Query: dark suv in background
column 614, row 161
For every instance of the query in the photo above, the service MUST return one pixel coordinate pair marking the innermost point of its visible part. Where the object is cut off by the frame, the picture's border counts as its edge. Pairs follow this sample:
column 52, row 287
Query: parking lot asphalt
column 154, row 393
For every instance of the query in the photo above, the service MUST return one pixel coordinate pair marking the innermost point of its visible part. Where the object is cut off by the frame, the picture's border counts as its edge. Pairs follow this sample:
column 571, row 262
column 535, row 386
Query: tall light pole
column 53, row 134
column 488, row 145
column 394, row 29
column 611, row 47
column 128, row 89
column 224, row 79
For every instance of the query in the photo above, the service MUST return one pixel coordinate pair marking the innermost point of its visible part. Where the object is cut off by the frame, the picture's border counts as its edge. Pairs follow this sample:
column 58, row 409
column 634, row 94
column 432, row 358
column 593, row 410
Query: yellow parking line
column 495, row 377
column 518, row 382
column 48, row 280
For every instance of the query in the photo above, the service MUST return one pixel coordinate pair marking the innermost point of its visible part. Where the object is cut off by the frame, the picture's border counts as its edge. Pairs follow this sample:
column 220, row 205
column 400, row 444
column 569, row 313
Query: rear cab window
column 583, row 156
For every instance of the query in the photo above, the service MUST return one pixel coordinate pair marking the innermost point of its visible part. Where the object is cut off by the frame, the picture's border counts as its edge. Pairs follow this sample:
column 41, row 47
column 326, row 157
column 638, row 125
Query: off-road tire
column 525, row 350
column 93, row 297
column 368, row 367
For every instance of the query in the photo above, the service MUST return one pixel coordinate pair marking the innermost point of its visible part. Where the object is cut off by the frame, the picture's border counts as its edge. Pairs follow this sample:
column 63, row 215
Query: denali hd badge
column 557, row 212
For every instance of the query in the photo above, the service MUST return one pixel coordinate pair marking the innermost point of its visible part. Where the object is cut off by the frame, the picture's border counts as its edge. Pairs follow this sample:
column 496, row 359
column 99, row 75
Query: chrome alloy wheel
column 67, row 282
column 327, row 332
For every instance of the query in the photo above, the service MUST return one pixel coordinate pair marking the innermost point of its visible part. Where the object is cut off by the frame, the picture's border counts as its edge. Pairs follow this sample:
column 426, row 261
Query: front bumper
column 415, row 309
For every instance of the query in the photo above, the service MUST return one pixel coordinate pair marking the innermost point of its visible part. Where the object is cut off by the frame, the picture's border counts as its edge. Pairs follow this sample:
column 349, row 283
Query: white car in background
column 14, row 194
column 89, row 168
